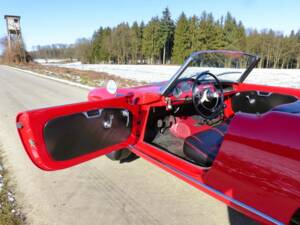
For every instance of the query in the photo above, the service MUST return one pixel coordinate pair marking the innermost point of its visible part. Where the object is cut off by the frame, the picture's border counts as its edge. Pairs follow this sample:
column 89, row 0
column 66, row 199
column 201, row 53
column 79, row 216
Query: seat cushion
column 288, row 108
column 203, row 147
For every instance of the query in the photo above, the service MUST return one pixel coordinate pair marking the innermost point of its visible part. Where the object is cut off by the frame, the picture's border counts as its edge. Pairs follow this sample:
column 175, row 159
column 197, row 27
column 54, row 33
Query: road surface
column 99, row 191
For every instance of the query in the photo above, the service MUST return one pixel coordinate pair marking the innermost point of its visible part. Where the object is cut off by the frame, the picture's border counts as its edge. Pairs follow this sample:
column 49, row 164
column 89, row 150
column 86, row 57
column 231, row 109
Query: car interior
column 203, row 98
column 181, row 131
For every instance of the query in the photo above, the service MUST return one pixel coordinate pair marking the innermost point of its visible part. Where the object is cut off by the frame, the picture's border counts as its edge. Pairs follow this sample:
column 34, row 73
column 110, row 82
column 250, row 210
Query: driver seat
column 203, row 147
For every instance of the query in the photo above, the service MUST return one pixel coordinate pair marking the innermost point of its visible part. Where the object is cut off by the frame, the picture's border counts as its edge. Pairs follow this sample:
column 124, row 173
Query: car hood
column 101, row 93
column 152, row 88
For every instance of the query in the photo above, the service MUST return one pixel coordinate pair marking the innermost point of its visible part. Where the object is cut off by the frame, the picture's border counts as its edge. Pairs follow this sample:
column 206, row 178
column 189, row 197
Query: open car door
column 64, row 136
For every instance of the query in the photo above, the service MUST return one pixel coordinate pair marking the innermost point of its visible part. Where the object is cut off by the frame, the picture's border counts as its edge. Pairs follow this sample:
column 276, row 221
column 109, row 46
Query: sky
column 63, row 21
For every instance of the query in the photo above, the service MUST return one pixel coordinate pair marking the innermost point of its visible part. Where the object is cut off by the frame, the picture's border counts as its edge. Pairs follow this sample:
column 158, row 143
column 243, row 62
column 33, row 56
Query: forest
column 164, row 40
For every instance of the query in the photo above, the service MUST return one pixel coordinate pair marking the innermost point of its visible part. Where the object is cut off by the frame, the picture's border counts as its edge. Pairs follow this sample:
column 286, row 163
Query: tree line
column 165, row 41
column 79, row 50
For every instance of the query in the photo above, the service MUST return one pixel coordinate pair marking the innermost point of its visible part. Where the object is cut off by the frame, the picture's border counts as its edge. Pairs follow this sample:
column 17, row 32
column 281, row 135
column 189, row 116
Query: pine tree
column 193, row 32
column 160, row 38
column 142, row 27
column 121, row 44
column 220, row 42
column 210, row 33
column 100, row 51
column 167, row 34
column 151, row 40
column 202, row 32
column 182, row 40
column 136, row 42
column 234, row 33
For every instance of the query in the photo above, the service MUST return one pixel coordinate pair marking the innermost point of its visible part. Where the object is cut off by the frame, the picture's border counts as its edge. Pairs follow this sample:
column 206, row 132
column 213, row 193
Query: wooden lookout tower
column 16, row 48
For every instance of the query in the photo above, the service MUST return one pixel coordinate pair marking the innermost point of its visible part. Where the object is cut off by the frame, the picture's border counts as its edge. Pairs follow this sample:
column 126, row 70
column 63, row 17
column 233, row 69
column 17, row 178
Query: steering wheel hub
column 208, row 96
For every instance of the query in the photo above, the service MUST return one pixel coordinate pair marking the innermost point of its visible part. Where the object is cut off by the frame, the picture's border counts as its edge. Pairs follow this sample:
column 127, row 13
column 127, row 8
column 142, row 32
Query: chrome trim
column 171, row 82
column 93, row 116
column 209, row 188
column 263, row 93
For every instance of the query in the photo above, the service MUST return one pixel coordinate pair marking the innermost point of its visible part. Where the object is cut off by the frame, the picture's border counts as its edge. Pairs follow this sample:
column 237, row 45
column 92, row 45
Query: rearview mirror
column 111, row 87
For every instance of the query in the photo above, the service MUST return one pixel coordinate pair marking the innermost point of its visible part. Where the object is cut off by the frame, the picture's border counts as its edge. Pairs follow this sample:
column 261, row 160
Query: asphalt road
column 99, row 191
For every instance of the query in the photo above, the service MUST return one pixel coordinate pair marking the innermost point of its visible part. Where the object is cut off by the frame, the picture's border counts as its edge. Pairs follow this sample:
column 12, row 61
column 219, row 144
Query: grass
column 10, row 214
column 91, row 78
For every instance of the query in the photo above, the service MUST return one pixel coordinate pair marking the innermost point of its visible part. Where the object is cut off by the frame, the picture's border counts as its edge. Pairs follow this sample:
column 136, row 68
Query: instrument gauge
column 177, row 92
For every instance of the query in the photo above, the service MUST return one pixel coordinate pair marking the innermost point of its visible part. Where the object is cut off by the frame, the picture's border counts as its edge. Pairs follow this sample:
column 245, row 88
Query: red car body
column 256, row 171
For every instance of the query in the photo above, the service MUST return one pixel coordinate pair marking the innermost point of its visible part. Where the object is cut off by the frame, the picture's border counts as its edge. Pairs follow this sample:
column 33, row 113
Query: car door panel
column 75, row 135
column 63, row 136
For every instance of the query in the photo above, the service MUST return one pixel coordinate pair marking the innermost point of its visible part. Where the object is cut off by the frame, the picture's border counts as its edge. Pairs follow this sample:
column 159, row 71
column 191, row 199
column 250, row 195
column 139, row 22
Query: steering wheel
column 208, row 95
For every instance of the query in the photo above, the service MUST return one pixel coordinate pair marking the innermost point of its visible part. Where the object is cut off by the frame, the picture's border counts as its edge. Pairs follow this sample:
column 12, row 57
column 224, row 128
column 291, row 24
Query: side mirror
column 111, row 87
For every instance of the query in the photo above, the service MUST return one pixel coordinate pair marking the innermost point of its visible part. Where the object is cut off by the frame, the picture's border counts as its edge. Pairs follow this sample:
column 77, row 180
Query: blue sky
column 62, row 21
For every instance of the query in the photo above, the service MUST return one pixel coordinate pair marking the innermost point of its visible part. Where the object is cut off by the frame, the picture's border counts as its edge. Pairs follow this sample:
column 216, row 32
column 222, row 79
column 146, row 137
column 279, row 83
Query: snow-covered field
column 147, row 73
column 45, row 61
column 156, row 73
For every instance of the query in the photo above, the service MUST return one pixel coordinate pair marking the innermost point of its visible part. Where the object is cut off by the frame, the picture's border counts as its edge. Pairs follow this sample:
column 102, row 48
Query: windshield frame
column 172, row 82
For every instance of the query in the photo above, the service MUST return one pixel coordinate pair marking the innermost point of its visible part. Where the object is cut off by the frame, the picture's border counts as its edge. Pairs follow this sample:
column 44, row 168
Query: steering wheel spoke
column 208, row 97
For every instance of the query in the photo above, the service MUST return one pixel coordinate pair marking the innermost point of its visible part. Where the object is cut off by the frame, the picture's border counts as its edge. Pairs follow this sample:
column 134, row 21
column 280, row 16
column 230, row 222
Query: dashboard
column 183, row 88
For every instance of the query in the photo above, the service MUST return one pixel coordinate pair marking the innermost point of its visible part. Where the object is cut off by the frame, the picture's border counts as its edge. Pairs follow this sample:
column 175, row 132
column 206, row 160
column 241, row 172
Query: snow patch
column 46, row 61
column 157, row 73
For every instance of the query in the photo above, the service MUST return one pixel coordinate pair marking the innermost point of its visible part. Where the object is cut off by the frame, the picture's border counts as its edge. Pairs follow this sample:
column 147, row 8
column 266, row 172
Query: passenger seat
column 203, row 147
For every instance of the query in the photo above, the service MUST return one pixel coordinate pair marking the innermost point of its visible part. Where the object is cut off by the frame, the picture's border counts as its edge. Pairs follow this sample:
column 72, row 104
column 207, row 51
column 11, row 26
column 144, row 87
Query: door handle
column 108, row 123
column 251, row 100
column 125, row 113
column 93, row 113
column 264, row 94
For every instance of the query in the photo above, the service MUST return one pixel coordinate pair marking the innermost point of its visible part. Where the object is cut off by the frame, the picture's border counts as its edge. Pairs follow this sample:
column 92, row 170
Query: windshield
column 227, row 65
column 232, row 66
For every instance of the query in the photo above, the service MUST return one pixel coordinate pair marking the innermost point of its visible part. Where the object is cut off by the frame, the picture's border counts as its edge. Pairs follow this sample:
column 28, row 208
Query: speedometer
column 177, row 92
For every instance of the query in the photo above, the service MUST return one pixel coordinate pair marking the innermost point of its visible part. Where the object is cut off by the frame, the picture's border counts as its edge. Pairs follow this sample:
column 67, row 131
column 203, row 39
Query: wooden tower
column 16, row 48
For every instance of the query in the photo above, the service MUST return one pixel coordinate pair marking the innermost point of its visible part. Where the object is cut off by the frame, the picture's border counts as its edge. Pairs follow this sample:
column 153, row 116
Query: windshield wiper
column 225, row 73
column 206, row 71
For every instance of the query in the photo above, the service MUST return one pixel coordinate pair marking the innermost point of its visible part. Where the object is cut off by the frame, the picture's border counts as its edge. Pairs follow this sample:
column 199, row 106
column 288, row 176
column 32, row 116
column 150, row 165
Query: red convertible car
column 238, row 142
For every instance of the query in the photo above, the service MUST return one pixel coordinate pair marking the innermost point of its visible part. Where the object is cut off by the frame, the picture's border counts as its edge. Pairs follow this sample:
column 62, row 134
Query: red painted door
column 64, row 136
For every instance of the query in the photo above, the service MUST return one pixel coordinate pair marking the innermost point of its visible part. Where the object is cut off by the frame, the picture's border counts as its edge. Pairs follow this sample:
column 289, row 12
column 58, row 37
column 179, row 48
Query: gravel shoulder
column 10, row 212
